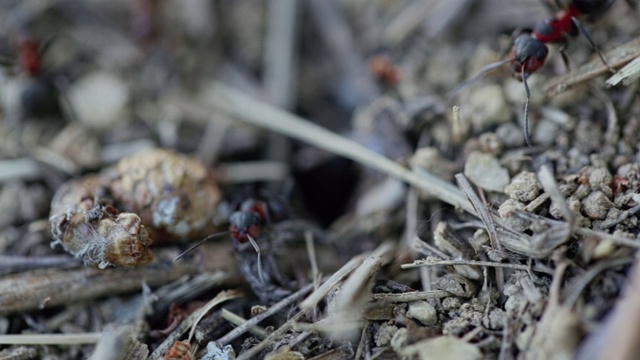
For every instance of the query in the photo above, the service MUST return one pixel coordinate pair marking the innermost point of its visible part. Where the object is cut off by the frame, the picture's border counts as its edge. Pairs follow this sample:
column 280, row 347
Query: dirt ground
column 356, row 202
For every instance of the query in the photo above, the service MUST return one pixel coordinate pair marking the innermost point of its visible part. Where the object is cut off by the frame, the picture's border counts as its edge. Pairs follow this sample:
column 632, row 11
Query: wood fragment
column 48, row 288
column 617, row 58
column 628, row 74
column 50, row 339
column 238, row 320
column 120, row 343
column 190, row 323
column 430, row 262
column 233, row 334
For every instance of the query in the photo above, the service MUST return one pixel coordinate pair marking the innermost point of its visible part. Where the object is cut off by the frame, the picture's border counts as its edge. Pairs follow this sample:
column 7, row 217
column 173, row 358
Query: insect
column 529, row 51
column 384, row 70
column 245, row 226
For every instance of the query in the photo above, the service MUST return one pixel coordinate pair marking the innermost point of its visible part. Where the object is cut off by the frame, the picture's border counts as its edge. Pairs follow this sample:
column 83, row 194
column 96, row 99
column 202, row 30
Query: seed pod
column 174, row 194
column 110, row 218
column 84, row 221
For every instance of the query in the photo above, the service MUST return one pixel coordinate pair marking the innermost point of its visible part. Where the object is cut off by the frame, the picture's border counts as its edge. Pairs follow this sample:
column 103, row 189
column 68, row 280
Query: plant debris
column 316, row 180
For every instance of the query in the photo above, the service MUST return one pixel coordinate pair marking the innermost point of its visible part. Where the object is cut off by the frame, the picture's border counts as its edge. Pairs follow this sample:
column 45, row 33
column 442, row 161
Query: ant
column 529, row 51
column 41, row 94
column 245, row 226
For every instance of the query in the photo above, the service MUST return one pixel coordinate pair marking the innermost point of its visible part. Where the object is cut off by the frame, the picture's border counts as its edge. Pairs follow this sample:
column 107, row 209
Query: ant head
column 244, row 224
column 528, row 55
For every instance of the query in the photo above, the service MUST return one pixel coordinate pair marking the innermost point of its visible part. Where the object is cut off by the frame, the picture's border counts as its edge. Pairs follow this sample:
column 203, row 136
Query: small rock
column 601, row 179
column 523, row 187
column 444, row 347
column 582, row 191
column 451, row 303
column 99, row 99
column 487, row 107
column 384, row 334
column 573, row 204
column 400, row 339
column 495, row 320
column 506, row 210
column 510, row 134
column 490, row 143
column 456, row 285
column 545, row 132
column 430, row 159
column 485, row 171
column 423, row 312
column 596, row 205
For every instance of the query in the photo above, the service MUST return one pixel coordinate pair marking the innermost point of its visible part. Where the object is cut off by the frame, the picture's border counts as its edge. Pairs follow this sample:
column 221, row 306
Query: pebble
column 596, row 205
column 430, row 159
column 495, row 320
column 524, row 187
column 384, row 334
column 424, row 312
column 600, row 179
column 506, row 210
column 510, row 135
column 485, row 171
column 443, row 347
column 487, row 107
column 99, row 100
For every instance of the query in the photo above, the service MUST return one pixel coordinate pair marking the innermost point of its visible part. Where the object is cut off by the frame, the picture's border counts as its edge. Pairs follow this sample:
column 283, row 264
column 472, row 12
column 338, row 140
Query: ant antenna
column 200, row 243
column 477, row 76
column 527, row 137
column 257, row 249
column 585, row 33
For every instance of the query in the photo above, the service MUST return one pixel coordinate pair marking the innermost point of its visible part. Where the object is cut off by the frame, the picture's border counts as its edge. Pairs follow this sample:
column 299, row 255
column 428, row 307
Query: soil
column 357, row 202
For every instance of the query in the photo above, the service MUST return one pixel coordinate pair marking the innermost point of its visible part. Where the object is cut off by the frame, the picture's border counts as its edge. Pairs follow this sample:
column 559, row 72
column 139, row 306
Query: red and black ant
column 529, row 51
column 245, row 226
column 41, row 94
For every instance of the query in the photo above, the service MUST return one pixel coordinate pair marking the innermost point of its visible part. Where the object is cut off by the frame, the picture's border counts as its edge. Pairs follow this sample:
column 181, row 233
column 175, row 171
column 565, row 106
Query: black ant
column 529, row 51
column 245, row 226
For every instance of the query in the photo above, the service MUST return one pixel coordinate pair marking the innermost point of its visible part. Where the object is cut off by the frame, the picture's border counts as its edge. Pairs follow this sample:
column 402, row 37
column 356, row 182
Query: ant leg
column 563, row 53
column 527, row 136
column 257, row 249
column 584, row 33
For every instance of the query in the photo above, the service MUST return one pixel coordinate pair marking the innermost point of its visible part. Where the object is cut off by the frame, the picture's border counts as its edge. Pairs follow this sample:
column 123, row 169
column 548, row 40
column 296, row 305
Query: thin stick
column 51, row 339
column 486, row 218
column 412, row 296
column 220, row 298
column 261, row 114
column 527, row 136
column 618, row 57
column 238, row 320
column 428, row 262
column 251, row 353
column 311, row 252
column 233, row 334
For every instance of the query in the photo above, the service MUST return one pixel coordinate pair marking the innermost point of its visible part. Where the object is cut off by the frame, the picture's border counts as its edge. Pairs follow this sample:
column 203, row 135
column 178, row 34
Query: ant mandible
column 529, row 51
